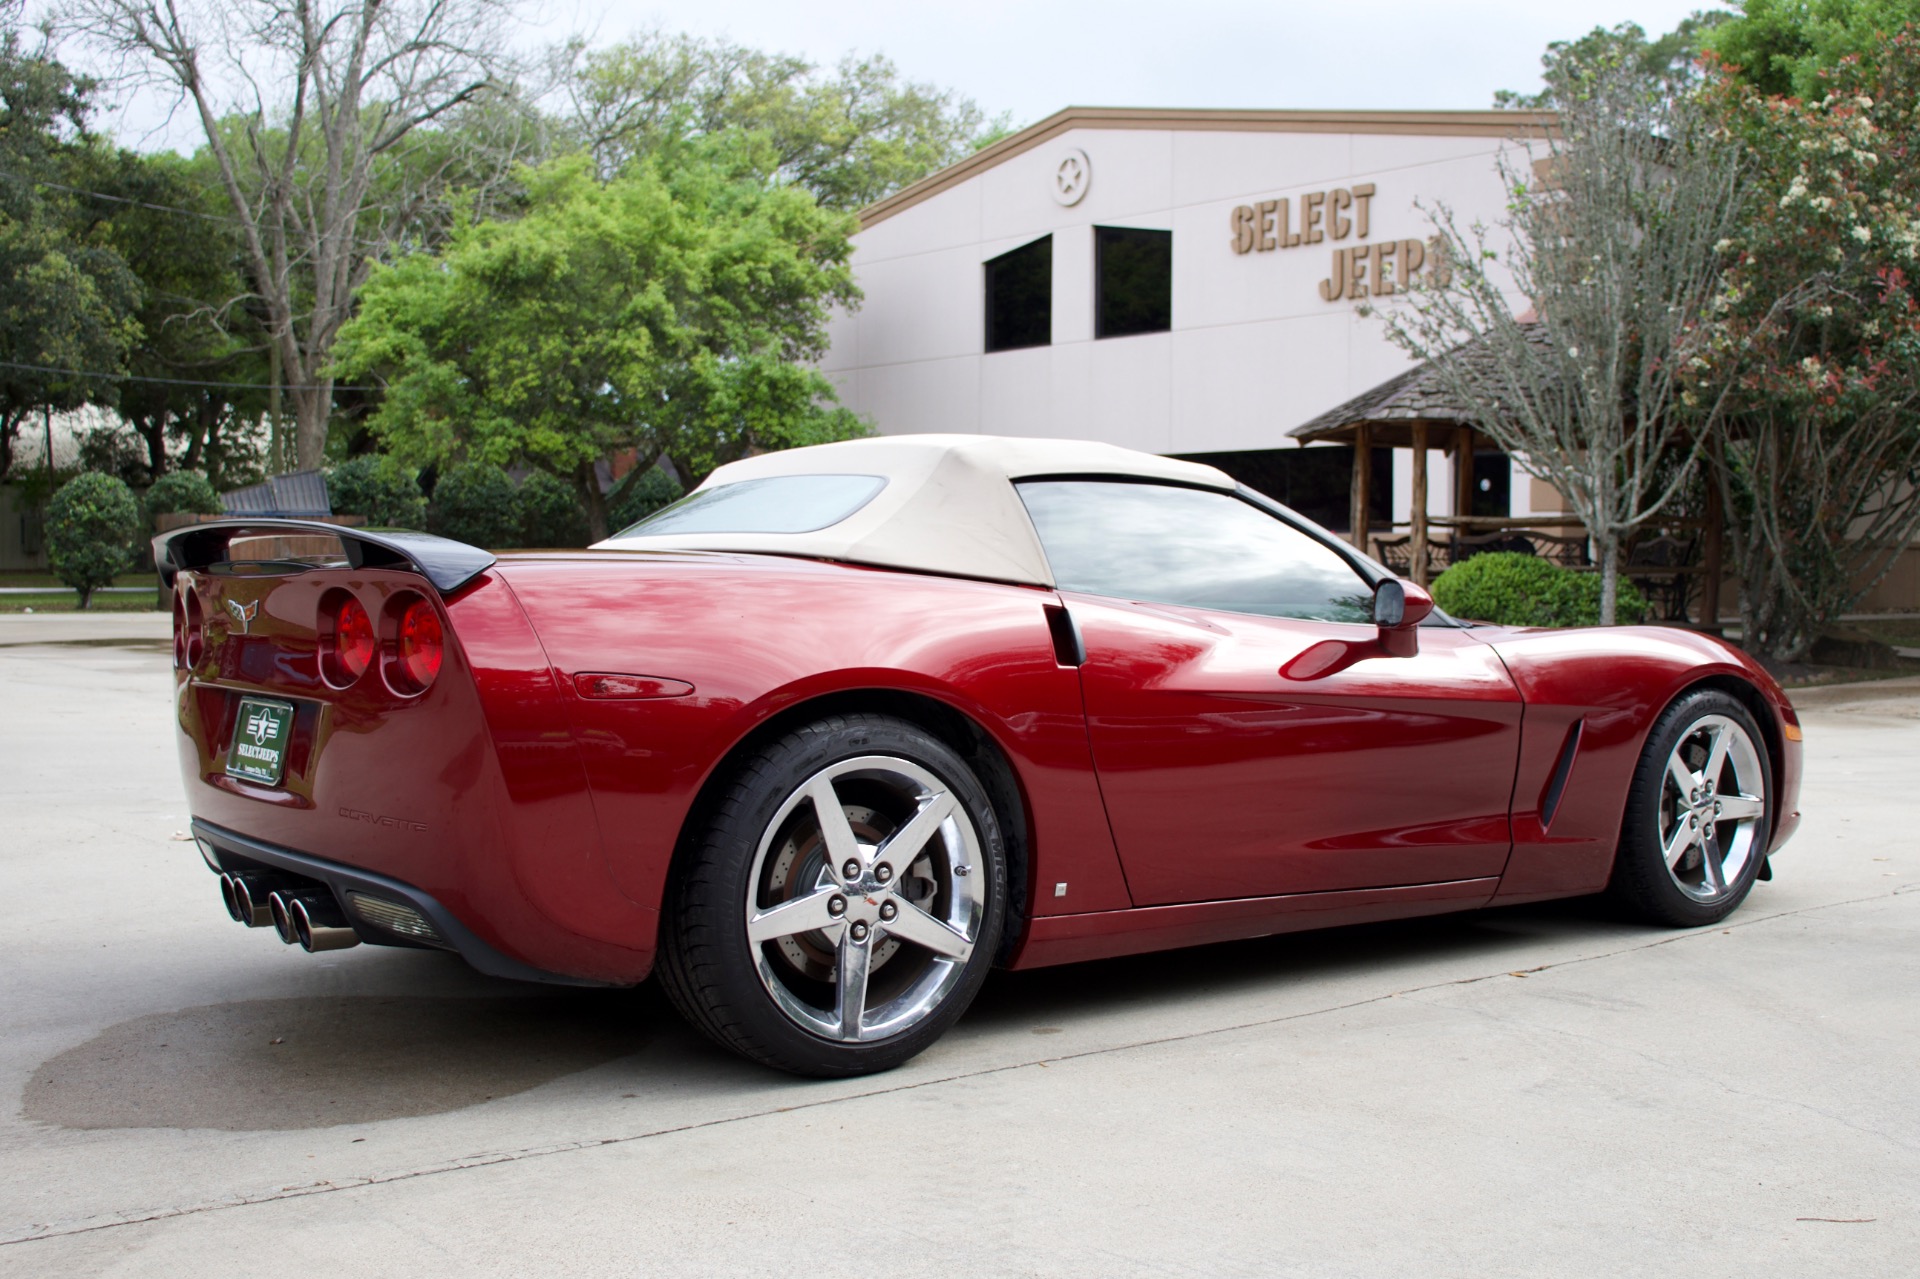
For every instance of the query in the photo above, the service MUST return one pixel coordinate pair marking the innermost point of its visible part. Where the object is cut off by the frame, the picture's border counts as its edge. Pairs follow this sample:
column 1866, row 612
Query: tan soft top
column 948, row 505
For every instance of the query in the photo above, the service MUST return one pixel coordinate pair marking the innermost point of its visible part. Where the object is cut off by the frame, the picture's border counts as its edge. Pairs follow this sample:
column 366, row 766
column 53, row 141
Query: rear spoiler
column 448, row 564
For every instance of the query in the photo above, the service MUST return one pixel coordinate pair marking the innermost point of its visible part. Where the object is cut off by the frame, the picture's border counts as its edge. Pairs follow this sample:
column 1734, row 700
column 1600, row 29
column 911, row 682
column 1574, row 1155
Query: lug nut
column 836, row 906
column 859, row 932
column 851, row 870
column 883, row 872
column 1693, row 819
column 888, row 910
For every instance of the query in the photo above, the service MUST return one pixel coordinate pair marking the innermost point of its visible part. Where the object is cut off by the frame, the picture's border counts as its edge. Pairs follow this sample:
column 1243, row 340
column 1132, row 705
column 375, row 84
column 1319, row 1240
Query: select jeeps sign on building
column 1183, row 282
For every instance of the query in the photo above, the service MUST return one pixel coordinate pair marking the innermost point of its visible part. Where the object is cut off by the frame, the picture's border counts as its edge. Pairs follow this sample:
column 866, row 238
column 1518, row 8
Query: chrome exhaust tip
column 246, row 897
column 229, row 897
column 280, row 914
column 319, row 924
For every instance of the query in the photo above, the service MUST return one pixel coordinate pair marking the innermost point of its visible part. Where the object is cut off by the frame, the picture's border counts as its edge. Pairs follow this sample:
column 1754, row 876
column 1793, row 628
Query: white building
column 1183, row 282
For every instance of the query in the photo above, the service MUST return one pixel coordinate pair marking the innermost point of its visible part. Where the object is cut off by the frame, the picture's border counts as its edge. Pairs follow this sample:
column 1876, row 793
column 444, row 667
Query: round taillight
column 179, row 632
column 352, row 643
column 418, row 647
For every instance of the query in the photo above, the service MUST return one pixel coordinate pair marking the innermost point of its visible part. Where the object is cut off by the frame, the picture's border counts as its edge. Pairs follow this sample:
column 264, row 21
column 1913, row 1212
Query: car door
column 1225, row 778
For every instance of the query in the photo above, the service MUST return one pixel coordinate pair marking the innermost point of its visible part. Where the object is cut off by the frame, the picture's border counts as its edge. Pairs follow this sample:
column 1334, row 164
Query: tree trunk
column 85, row 593
column 312, row 406
column 1609, row 551
column 594, row 500
column 9, row 427
column 153, row 432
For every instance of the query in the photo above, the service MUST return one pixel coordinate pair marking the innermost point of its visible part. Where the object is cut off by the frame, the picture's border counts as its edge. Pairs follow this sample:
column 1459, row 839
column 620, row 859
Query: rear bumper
column 236, row 852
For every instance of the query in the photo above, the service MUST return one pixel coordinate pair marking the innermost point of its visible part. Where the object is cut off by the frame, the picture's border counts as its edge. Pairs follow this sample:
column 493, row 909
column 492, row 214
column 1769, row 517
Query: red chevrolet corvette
column 848, row 725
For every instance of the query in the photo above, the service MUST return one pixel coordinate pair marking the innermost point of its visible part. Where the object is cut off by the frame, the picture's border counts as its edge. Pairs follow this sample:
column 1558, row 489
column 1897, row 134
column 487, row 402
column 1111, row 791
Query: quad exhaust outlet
column 303, row 915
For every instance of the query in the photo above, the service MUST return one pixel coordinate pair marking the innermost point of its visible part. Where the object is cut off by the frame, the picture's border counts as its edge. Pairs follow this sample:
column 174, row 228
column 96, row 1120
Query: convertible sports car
column 846, row 726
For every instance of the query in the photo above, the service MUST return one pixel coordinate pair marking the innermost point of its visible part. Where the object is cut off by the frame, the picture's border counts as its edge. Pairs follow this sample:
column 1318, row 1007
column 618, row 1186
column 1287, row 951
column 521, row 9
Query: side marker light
column 600, row 686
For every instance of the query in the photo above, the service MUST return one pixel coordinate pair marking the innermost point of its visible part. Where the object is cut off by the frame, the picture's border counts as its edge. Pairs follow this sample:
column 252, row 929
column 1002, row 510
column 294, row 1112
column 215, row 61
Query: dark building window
column 1020, row 297
column 1492, row 484
column 1316, row 482
column 1133, row 281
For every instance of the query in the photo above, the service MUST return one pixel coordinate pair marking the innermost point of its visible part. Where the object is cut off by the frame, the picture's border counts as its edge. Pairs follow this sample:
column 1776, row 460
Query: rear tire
column 1699, row 814
column 844, row 946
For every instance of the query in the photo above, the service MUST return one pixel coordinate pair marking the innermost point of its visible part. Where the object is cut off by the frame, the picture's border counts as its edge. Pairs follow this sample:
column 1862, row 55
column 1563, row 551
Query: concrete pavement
column 1529, row 1091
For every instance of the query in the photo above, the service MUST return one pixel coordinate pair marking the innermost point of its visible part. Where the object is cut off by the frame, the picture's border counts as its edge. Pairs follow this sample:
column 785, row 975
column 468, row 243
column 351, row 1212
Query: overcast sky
column 1032, row 57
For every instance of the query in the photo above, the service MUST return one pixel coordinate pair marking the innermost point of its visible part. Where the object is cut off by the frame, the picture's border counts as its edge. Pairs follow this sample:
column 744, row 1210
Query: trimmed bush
column 1514, row 589
column 91, row 524
column 642, row 495
column 379, row 488
column 182, row 493
column 476, row 503
column 550, row 514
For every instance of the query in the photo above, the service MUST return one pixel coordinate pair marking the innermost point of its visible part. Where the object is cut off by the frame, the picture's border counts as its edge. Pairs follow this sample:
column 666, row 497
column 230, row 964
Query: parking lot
column 1528, row 1091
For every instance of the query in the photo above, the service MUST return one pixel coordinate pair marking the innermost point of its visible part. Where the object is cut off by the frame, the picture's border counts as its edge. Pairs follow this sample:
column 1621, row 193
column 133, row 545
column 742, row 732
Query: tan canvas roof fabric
column 948, row 505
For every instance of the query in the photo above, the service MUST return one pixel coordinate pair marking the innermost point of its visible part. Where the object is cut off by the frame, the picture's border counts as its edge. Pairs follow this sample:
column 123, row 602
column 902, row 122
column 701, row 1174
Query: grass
column 53, row 583
column 66, row 601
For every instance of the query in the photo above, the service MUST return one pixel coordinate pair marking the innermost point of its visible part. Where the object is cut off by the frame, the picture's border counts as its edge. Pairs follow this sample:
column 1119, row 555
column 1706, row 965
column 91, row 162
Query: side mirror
column 1398, row 607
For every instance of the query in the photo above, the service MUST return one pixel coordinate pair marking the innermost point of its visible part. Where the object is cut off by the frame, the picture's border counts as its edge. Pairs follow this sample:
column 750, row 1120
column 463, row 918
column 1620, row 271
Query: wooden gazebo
column 1410, row 411
column 1413, row 411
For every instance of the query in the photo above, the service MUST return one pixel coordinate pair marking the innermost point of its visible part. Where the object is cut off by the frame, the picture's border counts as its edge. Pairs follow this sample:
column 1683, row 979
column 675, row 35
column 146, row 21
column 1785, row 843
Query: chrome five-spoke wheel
column 845, row 903
column 863, row 904
column 1698, row 817
column 1712, row 807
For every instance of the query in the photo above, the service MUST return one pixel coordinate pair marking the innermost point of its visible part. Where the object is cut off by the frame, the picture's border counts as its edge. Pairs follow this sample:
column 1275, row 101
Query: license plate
column 261, row 732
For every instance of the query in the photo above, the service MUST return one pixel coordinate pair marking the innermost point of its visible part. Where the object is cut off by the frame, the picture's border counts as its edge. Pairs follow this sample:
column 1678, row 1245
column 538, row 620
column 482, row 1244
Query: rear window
column 779, row 504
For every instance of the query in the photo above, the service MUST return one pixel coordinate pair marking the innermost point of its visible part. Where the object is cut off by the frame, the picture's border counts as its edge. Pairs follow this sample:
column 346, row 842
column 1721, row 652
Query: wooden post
column 1420, row 503
column 1463, row 472
column 1360, row 508
column 1711, row 554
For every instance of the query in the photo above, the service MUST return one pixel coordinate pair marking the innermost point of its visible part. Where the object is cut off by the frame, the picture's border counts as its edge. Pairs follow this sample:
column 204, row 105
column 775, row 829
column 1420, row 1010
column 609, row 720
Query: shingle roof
column 299, row 495
column 1419, row 395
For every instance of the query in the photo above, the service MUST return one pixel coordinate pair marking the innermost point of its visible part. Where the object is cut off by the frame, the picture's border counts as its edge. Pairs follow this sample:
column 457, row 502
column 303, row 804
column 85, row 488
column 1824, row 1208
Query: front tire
column 1699, row 814
column 844, row 904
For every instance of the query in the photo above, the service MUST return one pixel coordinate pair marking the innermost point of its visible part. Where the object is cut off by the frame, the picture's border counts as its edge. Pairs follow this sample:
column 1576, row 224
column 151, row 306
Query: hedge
column 1515, row 589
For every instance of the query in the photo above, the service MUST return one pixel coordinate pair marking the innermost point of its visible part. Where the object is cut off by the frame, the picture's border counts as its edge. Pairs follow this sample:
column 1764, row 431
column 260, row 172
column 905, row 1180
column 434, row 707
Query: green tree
column 181, row 492
column 476, row 503
column 849, row 135
column 66, row 299
column 91, row 524
column 318, row 118
column 162, row 214
column 1667, row 64
column 641, row 494
column 673, row 310
column 550, row 513
column 1781, row 47
column 381, row 488
column 1814, row 341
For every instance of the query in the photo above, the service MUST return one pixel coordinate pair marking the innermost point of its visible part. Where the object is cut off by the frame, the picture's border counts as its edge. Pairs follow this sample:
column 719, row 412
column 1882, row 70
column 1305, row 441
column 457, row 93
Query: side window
column 1160, row 544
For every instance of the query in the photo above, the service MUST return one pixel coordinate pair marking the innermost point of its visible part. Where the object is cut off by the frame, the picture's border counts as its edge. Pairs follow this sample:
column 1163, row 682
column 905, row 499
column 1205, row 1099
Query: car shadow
column 322, row 1060
column 1057, row 996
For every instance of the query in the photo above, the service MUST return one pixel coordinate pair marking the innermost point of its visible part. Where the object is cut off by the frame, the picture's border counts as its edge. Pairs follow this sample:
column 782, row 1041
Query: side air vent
column 1562, row 768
